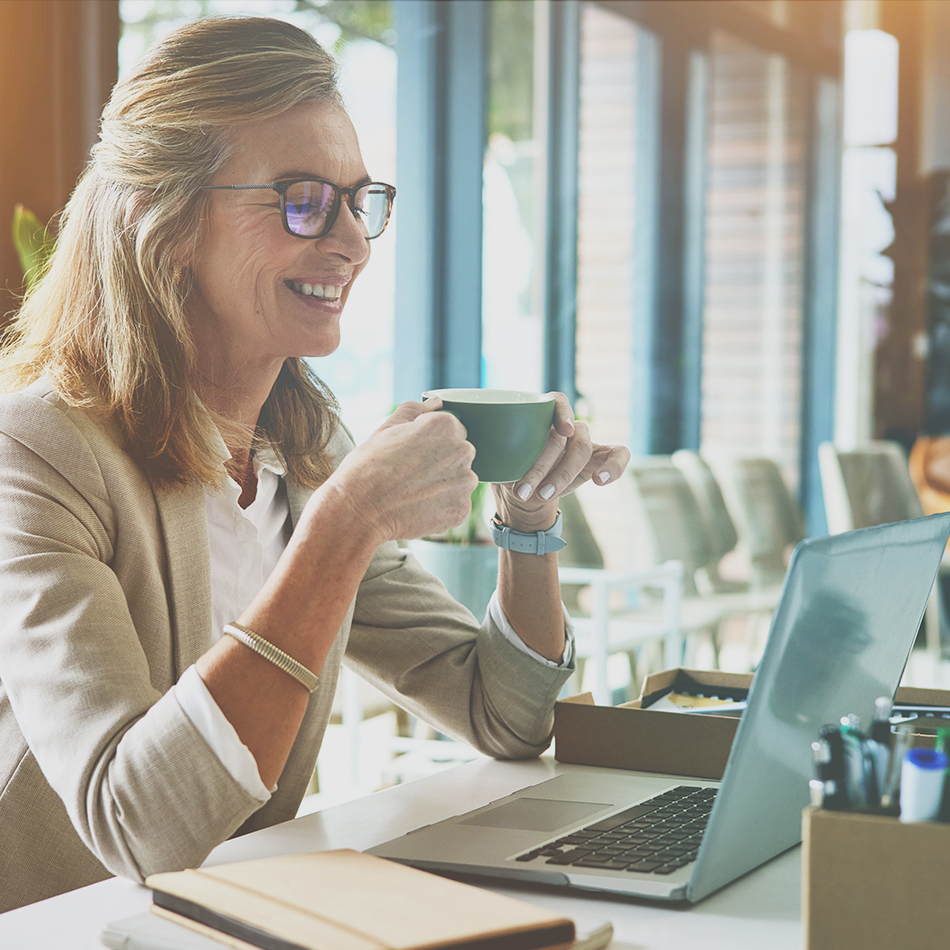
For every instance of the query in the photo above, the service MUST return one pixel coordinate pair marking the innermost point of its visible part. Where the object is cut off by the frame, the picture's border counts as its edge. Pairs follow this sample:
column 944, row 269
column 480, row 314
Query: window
column 606, row 219
column 755, row 205
column 706, row 292
column 512, row 230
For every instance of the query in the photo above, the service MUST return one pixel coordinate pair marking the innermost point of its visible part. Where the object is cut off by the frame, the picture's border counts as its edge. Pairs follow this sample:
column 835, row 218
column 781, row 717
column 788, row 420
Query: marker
column 922, row 779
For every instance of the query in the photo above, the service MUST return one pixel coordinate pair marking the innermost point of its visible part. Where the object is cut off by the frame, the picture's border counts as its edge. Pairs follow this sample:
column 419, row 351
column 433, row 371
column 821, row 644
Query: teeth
column 325, row 291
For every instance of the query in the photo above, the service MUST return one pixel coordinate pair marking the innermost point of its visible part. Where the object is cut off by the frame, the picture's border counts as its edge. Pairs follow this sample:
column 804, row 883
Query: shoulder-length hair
column 107, row 321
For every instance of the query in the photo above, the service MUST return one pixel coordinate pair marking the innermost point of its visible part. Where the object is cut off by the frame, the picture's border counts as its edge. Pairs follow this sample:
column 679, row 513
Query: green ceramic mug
column 508, row 428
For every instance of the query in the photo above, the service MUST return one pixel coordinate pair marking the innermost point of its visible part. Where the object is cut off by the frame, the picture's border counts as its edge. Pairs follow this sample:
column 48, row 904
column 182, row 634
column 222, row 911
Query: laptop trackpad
column 534, row 814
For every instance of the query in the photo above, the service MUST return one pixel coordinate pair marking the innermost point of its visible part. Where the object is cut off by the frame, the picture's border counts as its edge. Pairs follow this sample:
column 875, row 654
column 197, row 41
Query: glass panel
column 513, row 236
column 817, row 22
column 361, row 36
column 868, row 185
column 607, row 168
column 774, row 11
column 752, row 329
column 606, row 214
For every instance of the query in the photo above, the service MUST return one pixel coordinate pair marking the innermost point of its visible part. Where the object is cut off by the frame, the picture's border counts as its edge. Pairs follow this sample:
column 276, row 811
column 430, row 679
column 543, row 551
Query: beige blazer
column 105, row 601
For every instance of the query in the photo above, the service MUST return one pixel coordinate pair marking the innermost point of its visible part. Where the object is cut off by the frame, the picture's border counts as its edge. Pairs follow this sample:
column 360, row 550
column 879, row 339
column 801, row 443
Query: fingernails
column 546, row 492
column 524, row 492
column 603, row 478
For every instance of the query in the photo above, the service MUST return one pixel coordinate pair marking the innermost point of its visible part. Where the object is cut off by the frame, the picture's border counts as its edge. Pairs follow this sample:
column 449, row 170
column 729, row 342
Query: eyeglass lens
column 309, row 205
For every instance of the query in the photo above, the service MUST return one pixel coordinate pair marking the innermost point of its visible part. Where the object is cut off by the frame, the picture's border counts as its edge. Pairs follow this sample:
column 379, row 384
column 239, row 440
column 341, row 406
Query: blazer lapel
column 184, row 524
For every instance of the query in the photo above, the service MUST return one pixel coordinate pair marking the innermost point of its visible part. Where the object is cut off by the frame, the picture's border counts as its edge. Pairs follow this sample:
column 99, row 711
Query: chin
column 326, row 346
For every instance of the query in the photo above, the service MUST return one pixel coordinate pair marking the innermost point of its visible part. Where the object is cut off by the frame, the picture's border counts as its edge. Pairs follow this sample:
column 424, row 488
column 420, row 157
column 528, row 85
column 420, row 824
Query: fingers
column 563, row 421
column 410, row 411
column 557, row 465
column 414, row 475
column 606, row 464
column 568, row 462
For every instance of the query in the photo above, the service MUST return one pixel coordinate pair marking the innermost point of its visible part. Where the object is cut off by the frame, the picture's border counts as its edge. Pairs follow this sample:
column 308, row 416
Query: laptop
column 848, row 616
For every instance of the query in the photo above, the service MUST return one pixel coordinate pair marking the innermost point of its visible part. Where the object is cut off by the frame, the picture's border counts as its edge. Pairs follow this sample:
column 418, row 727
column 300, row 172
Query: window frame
column 441, row 118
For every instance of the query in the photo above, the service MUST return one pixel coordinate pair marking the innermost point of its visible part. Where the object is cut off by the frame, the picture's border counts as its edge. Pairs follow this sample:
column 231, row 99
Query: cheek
column 356, row 273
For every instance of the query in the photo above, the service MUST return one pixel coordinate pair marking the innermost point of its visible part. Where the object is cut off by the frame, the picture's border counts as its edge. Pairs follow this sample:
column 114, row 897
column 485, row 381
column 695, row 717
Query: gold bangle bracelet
column 266, row 649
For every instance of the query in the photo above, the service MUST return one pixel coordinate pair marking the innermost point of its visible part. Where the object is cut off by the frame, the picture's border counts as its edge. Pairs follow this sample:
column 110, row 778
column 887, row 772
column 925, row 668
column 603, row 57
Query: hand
column 413, row 476
column 568, row 460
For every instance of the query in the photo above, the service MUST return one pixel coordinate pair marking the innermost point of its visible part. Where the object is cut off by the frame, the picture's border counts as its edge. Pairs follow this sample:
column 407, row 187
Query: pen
column 880, row 730
column 940, row 743
column 905, row 736
column 879, row 745
column 859, row 765
column 828, row 753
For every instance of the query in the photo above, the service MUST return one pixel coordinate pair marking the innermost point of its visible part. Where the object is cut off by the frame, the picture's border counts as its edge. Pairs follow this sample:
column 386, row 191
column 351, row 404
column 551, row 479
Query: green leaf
column 33, row 242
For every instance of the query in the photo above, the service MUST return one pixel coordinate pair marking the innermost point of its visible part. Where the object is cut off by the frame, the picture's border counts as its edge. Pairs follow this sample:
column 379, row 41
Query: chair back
column 668, row 518
column 720, row 527
column 582, row 549
column 767, row 517
column 866, row 486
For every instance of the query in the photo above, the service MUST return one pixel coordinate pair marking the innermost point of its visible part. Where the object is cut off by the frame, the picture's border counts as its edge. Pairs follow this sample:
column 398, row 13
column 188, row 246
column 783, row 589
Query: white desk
column 759, row 910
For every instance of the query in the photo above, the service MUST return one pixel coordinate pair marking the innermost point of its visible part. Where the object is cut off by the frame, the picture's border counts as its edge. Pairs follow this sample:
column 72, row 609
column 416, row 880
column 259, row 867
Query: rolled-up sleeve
column 415, row 643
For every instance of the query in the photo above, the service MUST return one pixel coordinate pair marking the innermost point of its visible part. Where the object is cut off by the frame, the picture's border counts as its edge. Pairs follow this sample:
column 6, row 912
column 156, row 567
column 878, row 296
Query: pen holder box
column 631, row 737
column 873, row 883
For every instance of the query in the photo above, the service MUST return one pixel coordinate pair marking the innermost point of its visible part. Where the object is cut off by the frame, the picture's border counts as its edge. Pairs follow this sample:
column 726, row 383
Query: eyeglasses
column 309, row 206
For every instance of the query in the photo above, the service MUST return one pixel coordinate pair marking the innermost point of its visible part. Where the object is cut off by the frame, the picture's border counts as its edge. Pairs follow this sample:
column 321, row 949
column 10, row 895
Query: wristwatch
column 524, row 542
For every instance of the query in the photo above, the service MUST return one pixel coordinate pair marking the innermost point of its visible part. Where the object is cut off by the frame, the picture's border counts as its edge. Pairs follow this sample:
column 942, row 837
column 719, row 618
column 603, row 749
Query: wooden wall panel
column 900, row 368
column 58, row 63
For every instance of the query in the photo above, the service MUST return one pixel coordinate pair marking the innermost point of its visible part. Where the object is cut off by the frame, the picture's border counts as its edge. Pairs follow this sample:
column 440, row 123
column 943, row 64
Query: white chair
column 871, row 485
column 357, row 702
column 615, row 611
column 672, row 524
column 354, row 703
column 724, row 536
column 767, row 517
column 606, row 631
column 866, row 486
column 744, row 595
column 720, row 529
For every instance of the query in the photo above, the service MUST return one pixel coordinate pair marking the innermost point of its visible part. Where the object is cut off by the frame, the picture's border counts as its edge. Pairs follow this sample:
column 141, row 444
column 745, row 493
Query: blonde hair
column 107, row 321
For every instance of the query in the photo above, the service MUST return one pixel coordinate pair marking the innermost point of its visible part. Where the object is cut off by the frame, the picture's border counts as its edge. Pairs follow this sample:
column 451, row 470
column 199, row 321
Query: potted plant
column 464, row 558
column 33, row 243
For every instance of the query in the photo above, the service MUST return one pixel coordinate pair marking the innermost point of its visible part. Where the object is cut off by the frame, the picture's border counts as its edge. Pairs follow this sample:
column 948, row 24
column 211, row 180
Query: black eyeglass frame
column 339, row 193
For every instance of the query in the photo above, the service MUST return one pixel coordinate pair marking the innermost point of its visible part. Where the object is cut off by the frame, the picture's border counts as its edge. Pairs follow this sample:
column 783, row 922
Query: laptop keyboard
column 657, row 836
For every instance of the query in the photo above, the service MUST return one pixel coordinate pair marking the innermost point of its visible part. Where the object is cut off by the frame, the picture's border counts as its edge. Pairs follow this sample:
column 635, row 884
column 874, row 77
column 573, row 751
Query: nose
column 347, row 237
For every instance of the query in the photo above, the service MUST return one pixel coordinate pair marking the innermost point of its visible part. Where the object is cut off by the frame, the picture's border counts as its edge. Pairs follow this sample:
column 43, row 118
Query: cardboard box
column 872, row 883
column 631, row 737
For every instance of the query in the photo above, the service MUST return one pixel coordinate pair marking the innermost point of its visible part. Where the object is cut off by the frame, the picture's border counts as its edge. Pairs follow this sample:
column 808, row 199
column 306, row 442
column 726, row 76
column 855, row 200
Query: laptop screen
column 846, row 622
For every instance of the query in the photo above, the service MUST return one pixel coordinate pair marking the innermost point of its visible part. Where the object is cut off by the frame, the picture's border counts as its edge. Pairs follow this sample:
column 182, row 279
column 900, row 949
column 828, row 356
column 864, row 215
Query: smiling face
column 261, row 294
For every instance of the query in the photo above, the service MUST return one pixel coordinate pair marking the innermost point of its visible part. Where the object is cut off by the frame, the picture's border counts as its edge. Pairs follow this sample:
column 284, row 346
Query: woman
column 189, row 539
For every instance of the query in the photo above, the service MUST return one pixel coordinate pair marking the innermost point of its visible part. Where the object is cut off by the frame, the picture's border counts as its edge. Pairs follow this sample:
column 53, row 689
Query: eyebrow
column 291, row 175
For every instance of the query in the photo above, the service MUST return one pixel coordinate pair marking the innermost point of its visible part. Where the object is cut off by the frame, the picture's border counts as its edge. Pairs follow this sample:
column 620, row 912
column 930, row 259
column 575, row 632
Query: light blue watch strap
column 533, row 542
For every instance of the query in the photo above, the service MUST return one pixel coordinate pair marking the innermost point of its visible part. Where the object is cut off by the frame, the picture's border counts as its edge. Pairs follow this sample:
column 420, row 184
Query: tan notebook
column 347, row 900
